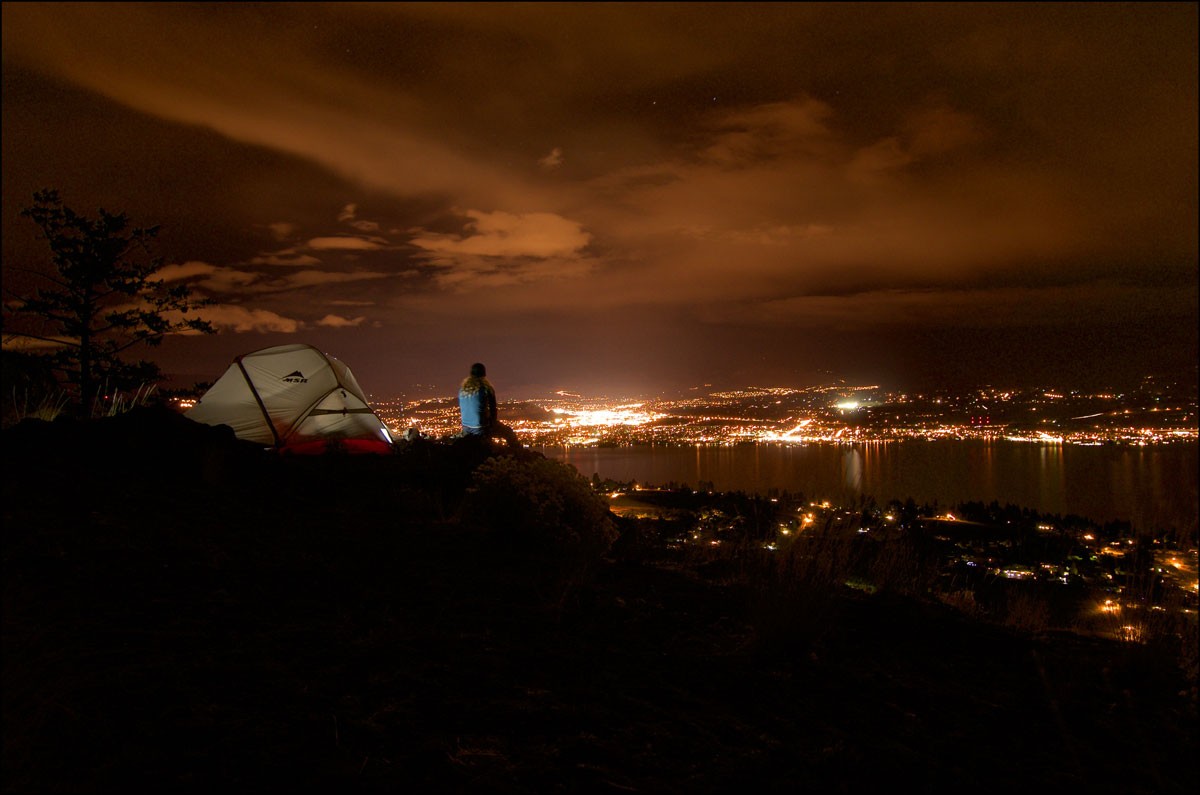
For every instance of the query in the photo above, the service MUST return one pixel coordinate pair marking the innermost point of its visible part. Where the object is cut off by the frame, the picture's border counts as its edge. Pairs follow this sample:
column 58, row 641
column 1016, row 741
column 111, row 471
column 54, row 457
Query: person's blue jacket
column 477, row 404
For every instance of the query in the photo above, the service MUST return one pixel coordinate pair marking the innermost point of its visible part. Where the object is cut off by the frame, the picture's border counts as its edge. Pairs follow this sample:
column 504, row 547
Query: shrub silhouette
column 793, row 590
column 545, row 519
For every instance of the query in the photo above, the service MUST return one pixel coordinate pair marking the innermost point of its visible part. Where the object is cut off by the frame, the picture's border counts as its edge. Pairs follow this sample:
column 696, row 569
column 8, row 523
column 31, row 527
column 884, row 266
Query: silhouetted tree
column 101, row 300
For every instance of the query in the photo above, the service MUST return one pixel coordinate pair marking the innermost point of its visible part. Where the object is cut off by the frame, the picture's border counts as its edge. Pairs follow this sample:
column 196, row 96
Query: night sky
column 632, row 199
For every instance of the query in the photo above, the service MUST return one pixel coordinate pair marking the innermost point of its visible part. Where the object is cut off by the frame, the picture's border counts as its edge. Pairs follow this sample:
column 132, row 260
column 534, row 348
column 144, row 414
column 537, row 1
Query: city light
column 819, row 415
column 617, row 415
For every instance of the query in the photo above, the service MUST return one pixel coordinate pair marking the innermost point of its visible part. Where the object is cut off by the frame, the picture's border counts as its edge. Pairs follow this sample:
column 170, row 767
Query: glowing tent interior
column 295, row 399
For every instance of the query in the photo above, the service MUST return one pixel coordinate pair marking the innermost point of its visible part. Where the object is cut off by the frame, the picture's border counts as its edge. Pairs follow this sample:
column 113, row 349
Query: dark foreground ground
column 181, row 614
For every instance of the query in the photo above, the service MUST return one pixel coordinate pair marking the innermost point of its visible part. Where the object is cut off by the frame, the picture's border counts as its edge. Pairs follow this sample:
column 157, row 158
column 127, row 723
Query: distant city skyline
column 1154, row 414
column 1182, row 382
column 630, row 199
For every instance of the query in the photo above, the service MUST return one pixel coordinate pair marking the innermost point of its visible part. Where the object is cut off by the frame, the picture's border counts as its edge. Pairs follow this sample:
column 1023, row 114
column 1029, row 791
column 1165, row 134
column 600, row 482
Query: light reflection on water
column 1148, row 486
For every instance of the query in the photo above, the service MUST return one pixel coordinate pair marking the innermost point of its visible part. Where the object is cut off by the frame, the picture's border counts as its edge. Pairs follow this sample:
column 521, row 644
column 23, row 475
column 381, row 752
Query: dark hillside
column 185, row 613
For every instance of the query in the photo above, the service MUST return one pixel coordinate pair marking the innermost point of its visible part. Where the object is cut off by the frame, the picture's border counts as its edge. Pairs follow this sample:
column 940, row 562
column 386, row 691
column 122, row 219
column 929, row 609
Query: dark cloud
column 636, row 195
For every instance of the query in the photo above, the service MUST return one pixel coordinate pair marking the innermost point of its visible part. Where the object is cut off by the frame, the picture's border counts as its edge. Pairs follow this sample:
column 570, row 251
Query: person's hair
column 478, row 370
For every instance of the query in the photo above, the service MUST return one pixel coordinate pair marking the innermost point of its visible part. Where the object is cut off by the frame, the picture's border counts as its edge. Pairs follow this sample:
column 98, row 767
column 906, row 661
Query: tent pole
column 258, row 400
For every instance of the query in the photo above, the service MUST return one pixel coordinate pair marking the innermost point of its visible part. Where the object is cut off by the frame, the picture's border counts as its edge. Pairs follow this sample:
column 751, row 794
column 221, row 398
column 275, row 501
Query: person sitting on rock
column 478, row 411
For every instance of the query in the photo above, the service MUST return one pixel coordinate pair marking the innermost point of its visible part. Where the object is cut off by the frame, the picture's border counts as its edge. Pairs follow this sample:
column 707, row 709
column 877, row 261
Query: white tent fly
column 296, row 399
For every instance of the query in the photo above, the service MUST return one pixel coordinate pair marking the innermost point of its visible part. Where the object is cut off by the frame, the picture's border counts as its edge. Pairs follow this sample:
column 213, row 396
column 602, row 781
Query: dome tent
column 296, row 399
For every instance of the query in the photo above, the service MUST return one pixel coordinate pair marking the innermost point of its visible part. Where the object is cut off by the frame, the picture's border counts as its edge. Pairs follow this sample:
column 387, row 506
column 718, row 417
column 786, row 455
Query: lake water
column 1152, row 487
